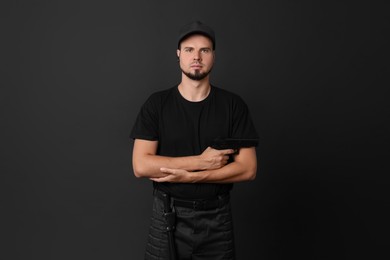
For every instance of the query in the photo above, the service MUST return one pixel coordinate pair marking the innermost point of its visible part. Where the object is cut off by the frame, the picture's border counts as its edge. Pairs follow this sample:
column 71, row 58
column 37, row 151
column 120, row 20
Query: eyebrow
column 203, row 48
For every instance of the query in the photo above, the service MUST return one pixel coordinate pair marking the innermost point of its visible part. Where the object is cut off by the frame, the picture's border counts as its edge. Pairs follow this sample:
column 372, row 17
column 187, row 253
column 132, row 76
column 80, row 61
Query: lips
column 196, row 66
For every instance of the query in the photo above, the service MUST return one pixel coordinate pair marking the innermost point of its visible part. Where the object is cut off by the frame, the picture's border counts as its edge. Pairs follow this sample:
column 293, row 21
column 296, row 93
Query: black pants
column 199, row 234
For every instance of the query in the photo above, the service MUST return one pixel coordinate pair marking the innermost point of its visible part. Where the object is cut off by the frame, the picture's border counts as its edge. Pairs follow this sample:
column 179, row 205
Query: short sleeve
column 146, row 124
column 242, row 126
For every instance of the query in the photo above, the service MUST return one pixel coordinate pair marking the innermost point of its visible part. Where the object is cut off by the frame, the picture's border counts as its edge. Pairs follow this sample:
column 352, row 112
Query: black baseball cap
column 196, row 28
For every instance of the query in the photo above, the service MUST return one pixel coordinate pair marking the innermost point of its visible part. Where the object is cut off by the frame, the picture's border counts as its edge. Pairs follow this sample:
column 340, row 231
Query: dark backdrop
column 75, row 73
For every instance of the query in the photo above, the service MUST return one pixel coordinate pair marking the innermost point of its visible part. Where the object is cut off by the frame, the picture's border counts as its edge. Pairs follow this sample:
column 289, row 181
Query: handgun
column 233, row 143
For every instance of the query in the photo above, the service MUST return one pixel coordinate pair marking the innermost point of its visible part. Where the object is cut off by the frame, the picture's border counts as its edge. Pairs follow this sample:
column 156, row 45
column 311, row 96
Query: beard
column 197, row 75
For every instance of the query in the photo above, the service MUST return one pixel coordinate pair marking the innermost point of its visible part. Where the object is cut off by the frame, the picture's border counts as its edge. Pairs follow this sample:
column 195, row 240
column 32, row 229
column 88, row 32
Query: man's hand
column 174, row 175
column 214, row 159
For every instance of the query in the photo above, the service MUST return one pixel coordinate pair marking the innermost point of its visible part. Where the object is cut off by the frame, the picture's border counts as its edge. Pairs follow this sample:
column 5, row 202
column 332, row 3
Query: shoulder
column 160, row 97
column 162, row 93
column 228, row 96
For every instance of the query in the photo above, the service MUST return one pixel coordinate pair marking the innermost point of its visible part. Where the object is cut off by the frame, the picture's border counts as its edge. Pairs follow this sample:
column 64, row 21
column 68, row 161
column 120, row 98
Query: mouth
column 196, row 66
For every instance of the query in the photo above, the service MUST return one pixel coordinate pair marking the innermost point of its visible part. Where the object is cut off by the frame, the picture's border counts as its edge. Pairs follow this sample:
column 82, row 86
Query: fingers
column 173, row 175
column 165, row 170
column 224, row 151
column 162, row 179
column 224, row 160
column 227, row 151
column 166, row 178
column 171, row 171
column 220, row 158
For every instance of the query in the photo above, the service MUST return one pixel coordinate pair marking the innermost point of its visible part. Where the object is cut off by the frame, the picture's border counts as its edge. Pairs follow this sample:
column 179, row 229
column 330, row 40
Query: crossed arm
column 209, row 167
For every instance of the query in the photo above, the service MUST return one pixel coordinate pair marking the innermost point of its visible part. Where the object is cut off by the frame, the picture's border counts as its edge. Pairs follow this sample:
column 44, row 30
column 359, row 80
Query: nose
column 197, row 56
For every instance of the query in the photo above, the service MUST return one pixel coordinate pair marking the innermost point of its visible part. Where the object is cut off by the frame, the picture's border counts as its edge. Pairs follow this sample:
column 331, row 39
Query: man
column 172, row 137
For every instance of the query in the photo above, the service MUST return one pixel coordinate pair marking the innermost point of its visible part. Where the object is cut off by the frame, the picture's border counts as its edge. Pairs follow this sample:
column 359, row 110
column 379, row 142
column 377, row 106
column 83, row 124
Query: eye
column 188, row 50
column 205, row 50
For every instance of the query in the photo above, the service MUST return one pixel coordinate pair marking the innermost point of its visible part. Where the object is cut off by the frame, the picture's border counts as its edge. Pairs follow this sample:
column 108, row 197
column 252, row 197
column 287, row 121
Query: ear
column 178, row 53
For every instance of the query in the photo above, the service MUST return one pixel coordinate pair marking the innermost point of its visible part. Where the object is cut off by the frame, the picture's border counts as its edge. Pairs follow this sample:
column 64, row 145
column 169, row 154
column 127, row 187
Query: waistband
column 199, row 204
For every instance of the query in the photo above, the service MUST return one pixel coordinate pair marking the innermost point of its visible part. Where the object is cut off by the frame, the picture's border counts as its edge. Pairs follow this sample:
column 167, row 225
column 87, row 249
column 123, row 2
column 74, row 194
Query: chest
column 194, row 126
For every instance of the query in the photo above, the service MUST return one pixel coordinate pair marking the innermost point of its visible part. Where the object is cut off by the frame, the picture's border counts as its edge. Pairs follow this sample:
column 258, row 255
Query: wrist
column 191, row 177
column 199, row 176
column 200, row 163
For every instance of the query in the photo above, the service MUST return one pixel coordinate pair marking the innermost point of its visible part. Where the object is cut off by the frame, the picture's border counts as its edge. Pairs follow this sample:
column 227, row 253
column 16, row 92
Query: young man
column 173, row 135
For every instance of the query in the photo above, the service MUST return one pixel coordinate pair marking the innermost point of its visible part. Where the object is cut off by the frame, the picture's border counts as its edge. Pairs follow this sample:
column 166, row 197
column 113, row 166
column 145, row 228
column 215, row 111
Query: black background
column 313, row 73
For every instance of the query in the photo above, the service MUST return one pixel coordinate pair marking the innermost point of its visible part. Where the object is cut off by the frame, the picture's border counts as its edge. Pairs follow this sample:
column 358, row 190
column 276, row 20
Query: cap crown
column 196, row 27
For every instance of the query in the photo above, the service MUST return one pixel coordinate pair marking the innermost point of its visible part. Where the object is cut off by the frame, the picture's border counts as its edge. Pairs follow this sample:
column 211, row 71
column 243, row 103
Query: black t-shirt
column 184, row 128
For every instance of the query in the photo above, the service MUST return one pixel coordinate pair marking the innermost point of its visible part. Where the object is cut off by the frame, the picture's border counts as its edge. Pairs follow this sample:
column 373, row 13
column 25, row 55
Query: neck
column 194, row 90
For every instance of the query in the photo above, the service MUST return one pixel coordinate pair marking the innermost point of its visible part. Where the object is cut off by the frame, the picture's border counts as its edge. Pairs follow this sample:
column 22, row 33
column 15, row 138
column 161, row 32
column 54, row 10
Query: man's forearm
column 149, row 166
column 243, row 168
column 233, row 172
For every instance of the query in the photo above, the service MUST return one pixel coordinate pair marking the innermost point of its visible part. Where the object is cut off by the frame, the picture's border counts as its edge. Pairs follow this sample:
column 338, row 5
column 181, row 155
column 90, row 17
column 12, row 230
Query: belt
column 199, row 204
